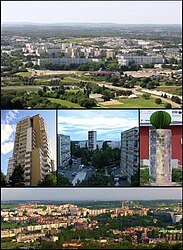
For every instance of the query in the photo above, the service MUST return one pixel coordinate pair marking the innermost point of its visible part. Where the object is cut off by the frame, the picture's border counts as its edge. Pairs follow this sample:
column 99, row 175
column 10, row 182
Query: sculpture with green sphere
column 160, row 148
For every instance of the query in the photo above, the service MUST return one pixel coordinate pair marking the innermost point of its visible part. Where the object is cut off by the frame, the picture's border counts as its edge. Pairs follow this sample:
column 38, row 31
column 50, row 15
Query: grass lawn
column 26, row 88
column 174, row 90
column 65, row 103
column 24, row 74
column 136, row 103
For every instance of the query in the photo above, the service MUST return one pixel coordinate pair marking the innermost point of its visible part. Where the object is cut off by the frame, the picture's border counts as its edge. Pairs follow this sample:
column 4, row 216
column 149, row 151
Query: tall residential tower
column 32, row 150
column 130, row 153
column 92, row 140
column 64, row 151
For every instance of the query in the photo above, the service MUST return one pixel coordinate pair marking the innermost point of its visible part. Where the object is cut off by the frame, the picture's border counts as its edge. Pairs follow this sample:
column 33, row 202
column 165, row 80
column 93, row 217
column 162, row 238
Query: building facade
column 130, row 153
column 92, row 140
column 126, row 59
column 32, row 150
column 42, row 61
column 64, row 151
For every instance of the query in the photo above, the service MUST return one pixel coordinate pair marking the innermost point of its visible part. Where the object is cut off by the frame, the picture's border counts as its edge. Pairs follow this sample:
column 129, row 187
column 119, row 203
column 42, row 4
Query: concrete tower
column 32, row 150
column 92, row 140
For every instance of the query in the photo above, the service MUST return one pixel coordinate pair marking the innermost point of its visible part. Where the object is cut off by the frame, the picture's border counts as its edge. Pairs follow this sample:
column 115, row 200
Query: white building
column 130, row 152
column 129, row 58
column 64, row 151
column 41, row 62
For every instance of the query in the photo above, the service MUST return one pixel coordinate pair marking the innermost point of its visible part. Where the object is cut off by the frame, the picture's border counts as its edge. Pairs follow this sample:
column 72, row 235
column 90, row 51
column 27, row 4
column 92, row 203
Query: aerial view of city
column 65, row 58
column 28, row 147
column 98, row 148
column 91, row 125
column 91, row 218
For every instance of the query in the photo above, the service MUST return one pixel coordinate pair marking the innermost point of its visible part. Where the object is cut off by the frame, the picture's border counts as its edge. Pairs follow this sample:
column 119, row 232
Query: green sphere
column 160, row 119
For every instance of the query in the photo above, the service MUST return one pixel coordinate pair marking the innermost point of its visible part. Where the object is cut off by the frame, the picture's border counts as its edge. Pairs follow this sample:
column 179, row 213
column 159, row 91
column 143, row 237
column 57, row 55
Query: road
column 75, row 172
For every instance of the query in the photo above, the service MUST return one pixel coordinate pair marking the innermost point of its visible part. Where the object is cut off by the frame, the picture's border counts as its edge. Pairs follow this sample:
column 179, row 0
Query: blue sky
column 90, row 193
column 108, row 124
column 9, row 119
column 125, row 12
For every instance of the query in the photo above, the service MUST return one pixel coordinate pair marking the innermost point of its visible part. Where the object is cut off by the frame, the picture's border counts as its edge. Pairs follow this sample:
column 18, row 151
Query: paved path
column 80, row 176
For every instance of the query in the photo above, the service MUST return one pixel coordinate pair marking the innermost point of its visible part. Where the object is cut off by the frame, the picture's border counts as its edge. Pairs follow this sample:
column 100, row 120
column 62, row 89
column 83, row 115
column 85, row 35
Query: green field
column 65, row 103
column 26, row 88
column 24, row 74
column 136, row 103
column 8, row 206
column 174, row 90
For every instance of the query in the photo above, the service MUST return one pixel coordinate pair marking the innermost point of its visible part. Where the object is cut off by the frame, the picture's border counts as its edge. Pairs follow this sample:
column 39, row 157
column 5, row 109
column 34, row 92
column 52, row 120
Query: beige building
column 32, row 150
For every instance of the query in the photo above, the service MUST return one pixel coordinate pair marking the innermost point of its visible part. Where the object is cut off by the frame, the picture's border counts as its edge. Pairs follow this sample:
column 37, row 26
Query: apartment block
column 130, row 58
column 92, row 140
column 64, row 151
column 41, row 62
column 130, row 152
column 32, row 150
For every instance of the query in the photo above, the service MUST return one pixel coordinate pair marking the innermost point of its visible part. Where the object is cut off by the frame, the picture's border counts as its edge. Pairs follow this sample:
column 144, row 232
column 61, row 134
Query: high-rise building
column 130, row 152
column 32, row 150
column 92, row 140
column 64, row 151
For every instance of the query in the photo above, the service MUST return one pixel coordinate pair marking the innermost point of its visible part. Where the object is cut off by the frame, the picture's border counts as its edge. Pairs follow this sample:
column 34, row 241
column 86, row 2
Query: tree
column 146, row 96
column 63, row 181
column 49, row 180
column 168, row 106
column 158, row 101
column 176, row 175
column 3, row 180
column 17, row 177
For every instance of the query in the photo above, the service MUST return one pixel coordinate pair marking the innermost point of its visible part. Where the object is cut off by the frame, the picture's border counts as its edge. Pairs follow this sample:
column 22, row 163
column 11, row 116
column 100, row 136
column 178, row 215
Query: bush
column 168, row 106
column 146, row 96
column 158, row 101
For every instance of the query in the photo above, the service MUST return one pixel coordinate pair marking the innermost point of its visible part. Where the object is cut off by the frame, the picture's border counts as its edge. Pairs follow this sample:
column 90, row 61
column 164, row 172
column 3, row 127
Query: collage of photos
column 91, row 125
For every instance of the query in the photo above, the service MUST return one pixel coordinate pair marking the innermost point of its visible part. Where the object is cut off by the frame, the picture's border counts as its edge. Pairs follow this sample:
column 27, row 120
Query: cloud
column 105, row 124
column 11, row 115
column 7, row 132
column 7, row 147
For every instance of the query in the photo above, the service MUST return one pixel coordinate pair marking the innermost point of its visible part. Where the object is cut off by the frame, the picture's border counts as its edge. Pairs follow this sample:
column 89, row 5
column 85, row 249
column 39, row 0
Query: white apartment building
column 41, row 62
column 130, row 152
column 126, row 59
column 32, row 150
column 64, row 151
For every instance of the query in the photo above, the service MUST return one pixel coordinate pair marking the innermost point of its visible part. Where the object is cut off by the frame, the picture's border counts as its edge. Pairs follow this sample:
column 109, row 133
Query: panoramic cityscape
column 91, row 125
column 105, row 155
column 75, row 62
column 89, row 219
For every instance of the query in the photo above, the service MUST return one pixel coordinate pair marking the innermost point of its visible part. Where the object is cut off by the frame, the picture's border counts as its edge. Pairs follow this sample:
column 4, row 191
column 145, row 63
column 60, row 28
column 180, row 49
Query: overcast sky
column 108, row 124
column 90, row 193
column 124, row 12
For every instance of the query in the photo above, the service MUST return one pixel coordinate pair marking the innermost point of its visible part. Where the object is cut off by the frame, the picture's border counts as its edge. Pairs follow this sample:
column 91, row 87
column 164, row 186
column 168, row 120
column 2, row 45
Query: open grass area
column 136, row 103
column 174, row 90
column 26, row 88
column 28, row 74
column 8, row 206
column 12, row 245
column 66, row 103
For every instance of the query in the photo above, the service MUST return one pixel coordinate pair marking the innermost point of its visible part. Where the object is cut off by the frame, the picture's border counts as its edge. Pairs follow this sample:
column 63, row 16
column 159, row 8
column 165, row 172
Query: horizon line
column 95, row 200
column 73, row 22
